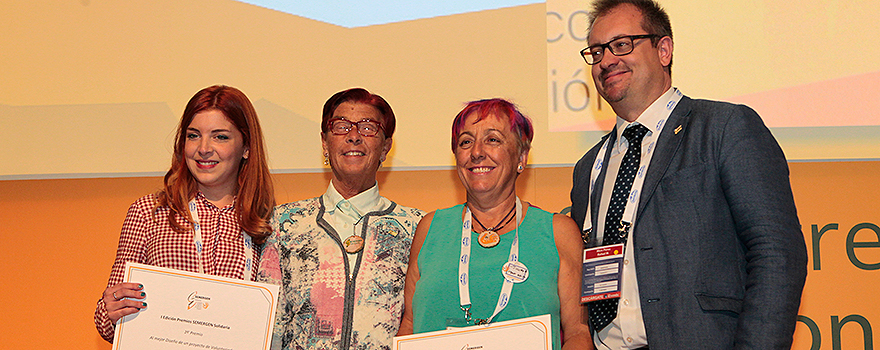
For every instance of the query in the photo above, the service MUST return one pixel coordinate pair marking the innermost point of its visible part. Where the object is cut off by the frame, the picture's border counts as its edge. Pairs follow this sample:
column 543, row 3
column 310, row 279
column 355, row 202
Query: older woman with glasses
column 341, row 258
column 527, row 262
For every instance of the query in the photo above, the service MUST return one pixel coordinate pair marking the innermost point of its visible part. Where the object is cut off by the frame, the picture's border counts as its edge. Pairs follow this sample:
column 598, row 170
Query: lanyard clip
column 587, row 235
column 623, row 231
column 467, row 313
column 624, row 227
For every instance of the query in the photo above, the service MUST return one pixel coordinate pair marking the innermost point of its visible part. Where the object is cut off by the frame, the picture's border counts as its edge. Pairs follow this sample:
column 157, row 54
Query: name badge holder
column 603, row 269
column 513, row 271
column 603, row 265
column 197, row 241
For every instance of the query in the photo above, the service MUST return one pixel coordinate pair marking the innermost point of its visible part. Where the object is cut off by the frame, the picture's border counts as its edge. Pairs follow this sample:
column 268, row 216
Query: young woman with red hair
column 213, row 213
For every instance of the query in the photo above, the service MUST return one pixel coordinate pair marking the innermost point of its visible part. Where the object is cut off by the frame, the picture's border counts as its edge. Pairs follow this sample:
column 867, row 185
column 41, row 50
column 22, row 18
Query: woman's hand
column 124, row 299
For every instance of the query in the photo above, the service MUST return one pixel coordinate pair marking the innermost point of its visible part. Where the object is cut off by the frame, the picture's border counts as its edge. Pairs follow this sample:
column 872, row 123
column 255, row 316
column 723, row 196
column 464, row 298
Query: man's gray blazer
column 719, row 254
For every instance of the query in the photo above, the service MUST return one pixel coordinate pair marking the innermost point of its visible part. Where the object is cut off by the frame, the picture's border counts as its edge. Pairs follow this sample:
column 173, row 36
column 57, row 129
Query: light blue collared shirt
column 345, row 215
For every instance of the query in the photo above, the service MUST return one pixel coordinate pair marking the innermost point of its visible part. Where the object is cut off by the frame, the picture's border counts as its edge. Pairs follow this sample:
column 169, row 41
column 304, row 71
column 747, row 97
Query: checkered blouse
column 151, row 240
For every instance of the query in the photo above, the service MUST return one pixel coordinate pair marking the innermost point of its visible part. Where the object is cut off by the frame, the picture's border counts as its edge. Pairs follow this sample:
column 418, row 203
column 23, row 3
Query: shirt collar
column 653, row 116
column 200, row 197
column 361, row 203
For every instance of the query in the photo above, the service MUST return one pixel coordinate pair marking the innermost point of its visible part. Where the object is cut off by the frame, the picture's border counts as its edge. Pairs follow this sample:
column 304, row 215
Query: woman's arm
column 412, row 274
column 132, row 239
column 573, row 315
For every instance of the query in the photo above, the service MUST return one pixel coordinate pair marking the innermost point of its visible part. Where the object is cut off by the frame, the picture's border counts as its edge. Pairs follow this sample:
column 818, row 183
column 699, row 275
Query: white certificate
column 533, row 333
column 187, row 310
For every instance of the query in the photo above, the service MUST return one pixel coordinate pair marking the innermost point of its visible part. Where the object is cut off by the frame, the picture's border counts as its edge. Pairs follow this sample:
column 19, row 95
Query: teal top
column 436, row 296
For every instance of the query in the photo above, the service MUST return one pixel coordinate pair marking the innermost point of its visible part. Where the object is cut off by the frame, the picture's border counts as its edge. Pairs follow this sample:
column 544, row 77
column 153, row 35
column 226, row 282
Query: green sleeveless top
column 436, row 296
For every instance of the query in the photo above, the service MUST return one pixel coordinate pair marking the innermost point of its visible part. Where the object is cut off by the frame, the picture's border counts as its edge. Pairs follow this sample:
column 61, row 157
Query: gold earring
column 519, row 168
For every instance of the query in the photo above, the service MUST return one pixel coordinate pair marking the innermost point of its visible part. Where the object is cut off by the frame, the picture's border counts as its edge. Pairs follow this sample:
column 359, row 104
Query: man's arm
column 755, row 179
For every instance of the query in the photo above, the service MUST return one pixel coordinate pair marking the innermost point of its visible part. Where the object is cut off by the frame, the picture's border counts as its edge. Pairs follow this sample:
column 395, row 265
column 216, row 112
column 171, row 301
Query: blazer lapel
column 667, row 146
column 596, row 196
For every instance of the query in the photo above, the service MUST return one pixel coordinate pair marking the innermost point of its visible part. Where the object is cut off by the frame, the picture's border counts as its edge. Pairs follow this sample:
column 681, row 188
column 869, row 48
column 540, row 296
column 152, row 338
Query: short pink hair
column 519, row 123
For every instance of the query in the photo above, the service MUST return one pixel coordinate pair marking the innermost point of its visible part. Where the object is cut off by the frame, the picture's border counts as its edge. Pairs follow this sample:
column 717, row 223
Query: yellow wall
column 95, row 87
column 61, row 237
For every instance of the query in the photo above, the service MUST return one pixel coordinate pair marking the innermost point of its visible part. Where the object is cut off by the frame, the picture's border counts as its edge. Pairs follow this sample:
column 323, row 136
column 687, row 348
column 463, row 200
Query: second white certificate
column 196, row 311
column 526, row 333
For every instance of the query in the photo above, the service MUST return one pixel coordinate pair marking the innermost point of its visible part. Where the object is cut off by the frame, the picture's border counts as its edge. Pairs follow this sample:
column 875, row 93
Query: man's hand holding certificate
column 197, row 311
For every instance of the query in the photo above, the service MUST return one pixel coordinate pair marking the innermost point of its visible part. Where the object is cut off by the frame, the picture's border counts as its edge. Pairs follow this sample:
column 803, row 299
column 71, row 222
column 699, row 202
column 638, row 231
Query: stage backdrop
column 93, row 88
column 91, row 91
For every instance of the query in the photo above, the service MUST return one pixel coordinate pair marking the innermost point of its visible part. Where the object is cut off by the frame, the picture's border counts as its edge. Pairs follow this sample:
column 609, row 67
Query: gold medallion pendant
column 488, row 239
column 353, row 244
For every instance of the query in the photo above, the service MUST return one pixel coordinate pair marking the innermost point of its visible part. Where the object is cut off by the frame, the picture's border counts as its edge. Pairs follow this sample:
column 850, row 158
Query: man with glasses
column 695, row 191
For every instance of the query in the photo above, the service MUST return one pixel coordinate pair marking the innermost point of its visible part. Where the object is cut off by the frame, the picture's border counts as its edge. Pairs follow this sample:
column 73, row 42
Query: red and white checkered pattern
column 150, row 239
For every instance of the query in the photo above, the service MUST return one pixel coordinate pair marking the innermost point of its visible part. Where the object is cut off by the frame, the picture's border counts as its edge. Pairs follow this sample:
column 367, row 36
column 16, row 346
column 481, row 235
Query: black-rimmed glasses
column 366, row 127
column 621, row 46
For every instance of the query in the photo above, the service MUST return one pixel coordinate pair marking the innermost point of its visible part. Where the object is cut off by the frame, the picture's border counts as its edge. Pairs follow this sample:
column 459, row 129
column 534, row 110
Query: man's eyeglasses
column 621, row 46
column 366, row 127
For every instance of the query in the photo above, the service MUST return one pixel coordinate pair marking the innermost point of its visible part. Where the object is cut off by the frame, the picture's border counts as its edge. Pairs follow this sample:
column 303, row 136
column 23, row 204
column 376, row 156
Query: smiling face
column 487, row 156
column 214, row 150
column 354, row 158
column 629, row 83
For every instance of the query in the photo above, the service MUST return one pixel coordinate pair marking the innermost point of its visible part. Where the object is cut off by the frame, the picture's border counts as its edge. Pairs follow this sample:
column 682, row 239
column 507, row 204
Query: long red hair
column 255, row 197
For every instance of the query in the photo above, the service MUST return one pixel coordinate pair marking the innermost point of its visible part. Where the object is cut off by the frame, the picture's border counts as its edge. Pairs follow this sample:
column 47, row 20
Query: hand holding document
column 526, row 333
column 197, row 311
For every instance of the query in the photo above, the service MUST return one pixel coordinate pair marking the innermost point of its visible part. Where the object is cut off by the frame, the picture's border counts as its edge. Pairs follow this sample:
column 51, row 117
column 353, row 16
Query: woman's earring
column 519, row 168
column 326, row 159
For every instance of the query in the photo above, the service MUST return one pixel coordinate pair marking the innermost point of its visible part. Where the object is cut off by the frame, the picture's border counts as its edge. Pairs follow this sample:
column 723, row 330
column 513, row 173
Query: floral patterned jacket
column 324, row 303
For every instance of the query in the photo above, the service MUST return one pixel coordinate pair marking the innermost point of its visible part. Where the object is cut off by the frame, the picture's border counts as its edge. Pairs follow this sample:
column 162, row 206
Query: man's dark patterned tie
column 603, row 311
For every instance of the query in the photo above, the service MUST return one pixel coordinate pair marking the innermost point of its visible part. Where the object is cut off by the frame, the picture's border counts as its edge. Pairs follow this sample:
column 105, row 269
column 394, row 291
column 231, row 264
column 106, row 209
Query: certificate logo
column 196, row 301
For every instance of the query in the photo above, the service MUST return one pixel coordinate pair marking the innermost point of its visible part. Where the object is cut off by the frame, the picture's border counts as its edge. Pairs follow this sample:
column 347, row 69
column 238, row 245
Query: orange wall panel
column 61, row 238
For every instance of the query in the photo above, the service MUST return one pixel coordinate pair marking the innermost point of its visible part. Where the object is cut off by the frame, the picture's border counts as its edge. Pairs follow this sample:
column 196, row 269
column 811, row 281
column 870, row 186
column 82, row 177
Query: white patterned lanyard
column 464, row 292
column 197, row 241
column 629, row 210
